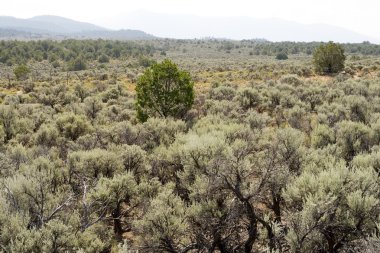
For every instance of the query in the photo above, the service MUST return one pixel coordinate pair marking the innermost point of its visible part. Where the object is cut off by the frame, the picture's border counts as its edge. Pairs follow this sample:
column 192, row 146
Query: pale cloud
column 360, row 16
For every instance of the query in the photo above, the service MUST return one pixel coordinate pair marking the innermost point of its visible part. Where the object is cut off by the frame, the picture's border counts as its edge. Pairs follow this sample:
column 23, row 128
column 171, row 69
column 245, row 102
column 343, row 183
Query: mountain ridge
column 143, row 24
column 57, row 27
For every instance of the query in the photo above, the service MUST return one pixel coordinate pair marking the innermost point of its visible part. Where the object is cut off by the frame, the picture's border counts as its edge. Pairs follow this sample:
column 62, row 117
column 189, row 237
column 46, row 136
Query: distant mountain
column 114, row 35
column 175, row 26
column 50, row 24
column 189, row 26
column 66, row 25
column 55, row 27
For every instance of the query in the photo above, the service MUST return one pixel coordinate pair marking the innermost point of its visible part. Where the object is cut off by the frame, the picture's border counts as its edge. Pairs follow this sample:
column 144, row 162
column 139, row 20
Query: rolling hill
column 142, row 24
column 55, row 27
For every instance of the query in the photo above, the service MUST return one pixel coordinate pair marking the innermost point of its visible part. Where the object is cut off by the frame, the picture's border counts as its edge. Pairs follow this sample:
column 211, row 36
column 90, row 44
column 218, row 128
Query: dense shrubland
column 270, row 158
column 18, row 51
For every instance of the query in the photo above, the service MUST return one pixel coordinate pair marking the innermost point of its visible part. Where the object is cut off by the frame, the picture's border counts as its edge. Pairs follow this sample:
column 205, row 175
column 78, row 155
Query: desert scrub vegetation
column 269, row 156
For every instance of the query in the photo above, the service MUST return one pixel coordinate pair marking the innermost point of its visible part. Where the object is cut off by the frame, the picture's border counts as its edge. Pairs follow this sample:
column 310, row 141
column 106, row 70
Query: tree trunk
column 271, row 235
column 117, row 227
column 218, row 242
column 276, row 206
column 252, row 228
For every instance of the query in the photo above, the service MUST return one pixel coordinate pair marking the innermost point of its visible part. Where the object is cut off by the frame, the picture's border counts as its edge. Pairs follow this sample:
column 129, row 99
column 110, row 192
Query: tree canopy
column 329, row 58
column 164, row 90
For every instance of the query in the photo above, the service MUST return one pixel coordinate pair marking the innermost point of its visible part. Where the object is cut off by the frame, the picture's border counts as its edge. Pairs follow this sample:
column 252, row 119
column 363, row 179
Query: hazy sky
column 360, row 16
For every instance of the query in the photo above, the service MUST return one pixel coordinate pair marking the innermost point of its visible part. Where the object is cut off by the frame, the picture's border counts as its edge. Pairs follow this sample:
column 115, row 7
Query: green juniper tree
column 329, row 58
column 21, row 72
column 164, row 91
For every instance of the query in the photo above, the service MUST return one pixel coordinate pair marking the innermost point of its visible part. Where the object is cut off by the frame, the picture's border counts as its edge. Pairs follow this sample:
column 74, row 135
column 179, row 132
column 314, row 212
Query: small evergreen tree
column 164, row 90
column 21, row 72
column 329, row 58
column 281, row 56
column 77, row 64
column 103, row 58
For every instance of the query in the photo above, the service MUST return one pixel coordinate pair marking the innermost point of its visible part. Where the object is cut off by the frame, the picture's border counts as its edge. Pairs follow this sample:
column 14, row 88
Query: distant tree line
column 16, row 52
column 274, row 48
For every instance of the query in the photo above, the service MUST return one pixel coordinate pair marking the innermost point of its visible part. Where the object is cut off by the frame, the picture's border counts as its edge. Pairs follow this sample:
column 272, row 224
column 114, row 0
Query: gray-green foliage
column 47, row 135
column 8, row 119
column 352, row 139
column 222, row 93
column 110, row 193
column 321, row 136
column 249, row 98
column 72, row 126
column 92, row 107
column 270, row 158
column 335, row 202
column 54, row 96
column 164, row 227
column 94, row 164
